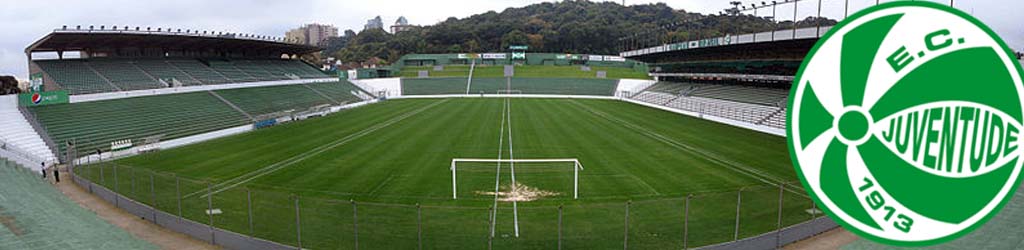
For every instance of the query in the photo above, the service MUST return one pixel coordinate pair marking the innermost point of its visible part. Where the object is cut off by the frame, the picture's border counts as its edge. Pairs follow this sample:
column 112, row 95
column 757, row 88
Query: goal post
column 525, row 165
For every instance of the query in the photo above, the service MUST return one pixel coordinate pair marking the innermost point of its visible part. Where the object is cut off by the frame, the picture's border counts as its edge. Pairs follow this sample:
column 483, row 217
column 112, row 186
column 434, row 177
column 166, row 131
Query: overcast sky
column 24, row 21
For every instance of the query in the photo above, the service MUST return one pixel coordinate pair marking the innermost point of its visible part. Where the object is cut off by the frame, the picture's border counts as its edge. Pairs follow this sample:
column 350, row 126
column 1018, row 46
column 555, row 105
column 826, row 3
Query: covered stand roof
column 91, row 39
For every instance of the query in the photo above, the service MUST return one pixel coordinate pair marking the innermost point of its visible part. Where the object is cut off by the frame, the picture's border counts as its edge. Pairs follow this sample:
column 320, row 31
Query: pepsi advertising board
column 43, row 98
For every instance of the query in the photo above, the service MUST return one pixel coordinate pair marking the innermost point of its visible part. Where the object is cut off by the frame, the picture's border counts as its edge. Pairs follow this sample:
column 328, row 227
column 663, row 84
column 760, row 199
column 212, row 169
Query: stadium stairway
column 35, row 215
column 19, row 137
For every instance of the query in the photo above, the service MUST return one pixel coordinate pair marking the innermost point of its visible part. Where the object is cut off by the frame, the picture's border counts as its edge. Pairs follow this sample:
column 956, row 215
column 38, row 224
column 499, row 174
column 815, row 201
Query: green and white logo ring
column 904, row 123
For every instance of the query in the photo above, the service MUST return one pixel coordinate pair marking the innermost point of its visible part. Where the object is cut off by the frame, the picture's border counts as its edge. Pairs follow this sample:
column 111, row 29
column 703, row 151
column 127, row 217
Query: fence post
column 102, row 179
column 298, row 224
column 355, row 224
column 209, row 209
column 686, row 220
column 419, row 227
column 117, row 189
column 490, row 220
column 134, row 191
column 559, row 227
column 92, row 175
column 152, row 194
column 248, row 200
column 778, row 226
column 625, row 233
column 814, row 209
column 177, row 194
column 739, row 200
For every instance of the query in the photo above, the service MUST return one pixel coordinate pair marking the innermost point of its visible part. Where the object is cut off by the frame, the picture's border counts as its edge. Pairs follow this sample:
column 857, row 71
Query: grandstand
column 37, row 216
column 88, row 76
column 135, row 86
column 757, row 105
column 125, row 60
column 737, row 78
column 93, row 125
column 339, row 92
column 77, row 77
column 266, row 100
column 548, row 86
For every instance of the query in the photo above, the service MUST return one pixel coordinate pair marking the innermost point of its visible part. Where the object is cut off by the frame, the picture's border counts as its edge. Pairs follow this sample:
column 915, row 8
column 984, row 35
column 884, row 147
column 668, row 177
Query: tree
column 472, row 46
column 536, row 41
column 572, row 26
column 455, row 49
column 515, row 37
column 9, row 85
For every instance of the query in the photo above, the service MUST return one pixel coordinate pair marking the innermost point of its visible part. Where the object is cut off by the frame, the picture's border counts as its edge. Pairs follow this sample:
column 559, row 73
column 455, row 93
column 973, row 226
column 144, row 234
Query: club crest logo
column 904, row 123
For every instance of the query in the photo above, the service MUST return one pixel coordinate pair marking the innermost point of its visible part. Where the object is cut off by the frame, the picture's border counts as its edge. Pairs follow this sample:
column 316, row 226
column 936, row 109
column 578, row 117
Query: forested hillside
column 570, row 26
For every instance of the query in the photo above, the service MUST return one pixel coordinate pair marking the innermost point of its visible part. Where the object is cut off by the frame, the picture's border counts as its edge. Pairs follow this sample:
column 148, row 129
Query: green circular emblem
column 904, row 123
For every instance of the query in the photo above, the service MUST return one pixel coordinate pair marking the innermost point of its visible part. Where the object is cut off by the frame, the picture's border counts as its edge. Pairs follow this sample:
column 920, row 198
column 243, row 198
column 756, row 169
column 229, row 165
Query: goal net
column 516, row 179
column 509, row 92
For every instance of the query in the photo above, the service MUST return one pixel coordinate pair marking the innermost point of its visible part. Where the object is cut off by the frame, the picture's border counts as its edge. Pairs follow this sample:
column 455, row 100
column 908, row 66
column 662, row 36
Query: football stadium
column 239, row 141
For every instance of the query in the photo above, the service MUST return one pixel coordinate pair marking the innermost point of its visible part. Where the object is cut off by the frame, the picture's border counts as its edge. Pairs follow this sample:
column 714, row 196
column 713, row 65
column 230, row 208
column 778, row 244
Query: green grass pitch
column 388, row 157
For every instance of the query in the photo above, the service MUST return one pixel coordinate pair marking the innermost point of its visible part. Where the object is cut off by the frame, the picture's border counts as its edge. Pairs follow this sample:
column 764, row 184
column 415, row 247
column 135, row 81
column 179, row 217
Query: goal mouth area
column 570, row 164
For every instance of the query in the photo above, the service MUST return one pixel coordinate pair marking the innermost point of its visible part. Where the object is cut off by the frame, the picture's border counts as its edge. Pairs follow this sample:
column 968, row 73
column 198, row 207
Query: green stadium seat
column 266, row 100
column 93, row 125
column 161, row 70
column 338, row 91
column 198, row 71
column 75, row 76
column 125, row 74
column 231, row 71
column 46, row 219
column 101, row 75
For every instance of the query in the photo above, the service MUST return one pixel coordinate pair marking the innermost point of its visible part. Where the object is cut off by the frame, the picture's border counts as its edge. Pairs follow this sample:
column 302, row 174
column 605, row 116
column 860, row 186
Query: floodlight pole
column 754, row 6
column 795, row 3
column 846, row 9
column 817, row 22
column 774, row 20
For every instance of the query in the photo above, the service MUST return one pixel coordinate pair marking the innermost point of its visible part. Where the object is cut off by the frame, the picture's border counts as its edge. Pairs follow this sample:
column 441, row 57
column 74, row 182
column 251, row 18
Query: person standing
column 42, row 168
column 56, row 174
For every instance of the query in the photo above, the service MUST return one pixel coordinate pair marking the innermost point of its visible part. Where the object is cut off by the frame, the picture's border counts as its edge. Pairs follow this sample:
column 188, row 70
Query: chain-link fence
column 755, row 217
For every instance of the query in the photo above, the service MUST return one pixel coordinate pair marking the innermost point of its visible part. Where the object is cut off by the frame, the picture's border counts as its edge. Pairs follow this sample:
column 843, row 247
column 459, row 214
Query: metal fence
column 755, row 217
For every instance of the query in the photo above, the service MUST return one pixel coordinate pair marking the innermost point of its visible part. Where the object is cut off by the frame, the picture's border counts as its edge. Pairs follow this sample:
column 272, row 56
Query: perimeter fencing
column 253, row 217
